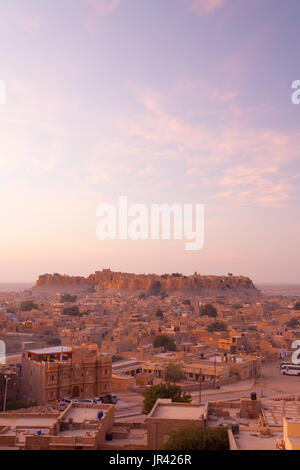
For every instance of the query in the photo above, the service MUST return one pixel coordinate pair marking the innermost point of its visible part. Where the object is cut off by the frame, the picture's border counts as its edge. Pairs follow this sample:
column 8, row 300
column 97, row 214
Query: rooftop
column 53, row 350
column 164, row 408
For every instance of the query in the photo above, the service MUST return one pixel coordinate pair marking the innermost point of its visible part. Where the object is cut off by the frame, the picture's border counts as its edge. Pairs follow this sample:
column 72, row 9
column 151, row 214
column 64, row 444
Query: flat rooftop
column 275, row 411
column 80, row 414
column 24, row 421
column 53, row 350
column 247, row 440
column 125, row 363
column 173, row 411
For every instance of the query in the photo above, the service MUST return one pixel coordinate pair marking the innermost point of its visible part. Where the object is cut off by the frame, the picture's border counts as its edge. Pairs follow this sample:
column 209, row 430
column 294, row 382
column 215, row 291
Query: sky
column 162, row 101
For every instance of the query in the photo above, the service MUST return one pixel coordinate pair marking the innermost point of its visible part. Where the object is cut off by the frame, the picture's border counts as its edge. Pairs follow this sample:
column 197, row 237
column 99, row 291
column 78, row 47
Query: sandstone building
column 50, row 374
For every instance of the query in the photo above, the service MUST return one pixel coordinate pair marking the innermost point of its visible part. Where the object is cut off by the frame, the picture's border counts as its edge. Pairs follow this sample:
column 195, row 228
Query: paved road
column 273, row 385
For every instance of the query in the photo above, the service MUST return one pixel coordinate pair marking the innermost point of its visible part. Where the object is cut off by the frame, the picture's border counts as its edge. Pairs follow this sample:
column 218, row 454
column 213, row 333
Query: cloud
column 262, row 185
column 204, row 7
column 104, row 7
column 30, row 25
column 242, row 163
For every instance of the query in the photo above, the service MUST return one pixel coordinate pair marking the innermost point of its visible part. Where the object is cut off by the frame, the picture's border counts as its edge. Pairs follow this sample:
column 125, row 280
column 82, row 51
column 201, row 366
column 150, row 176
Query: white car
column 66, row 400
column 88, row 401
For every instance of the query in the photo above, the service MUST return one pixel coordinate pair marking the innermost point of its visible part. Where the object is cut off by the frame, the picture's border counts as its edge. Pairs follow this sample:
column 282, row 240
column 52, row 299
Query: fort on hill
column 110, row 281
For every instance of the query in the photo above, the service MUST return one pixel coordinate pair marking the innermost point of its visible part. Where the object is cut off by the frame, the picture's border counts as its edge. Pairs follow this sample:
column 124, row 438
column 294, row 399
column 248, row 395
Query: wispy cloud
column 204, row 7
column 265, row 186
column 104, row 7
column 30, row 25
column 242, row 163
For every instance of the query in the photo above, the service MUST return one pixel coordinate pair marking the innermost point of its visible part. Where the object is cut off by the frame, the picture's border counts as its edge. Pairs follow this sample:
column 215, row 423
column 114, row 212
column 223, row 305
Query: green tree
column 72, row 311
column 209, row 310
column 217, row 326
column 142, row 295
column 163, row 390
column 173, row 372
column 164, row 341
column 159, row 313
column 293, row 323
column 188, row 438
column 68, row 298
column 27, row 306
column 297, row 306
column 237, row 306
column 116, row 358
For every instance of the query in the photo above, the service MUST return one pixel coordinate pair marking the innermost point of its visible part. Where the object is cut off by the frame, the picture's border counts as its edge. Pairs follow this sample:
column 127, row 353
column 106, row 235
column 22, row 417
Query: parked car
column 114, row 399
column 110, row 399
column 97, row 400
column 66, row 400
column 62, row 406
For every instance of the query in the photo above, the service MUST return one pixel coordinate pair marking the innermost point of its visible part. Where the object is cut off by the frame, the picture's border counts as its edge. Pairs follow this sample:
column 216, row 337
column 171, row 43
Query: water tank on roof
column 100, row 414
column 253, row 396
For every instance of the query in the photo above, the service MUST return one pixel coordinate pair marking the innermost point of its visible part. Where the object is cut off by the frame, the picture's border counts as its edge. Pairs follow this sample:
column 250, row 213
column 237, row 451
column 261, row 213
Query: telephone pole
column 200, row 386
column 5, row 392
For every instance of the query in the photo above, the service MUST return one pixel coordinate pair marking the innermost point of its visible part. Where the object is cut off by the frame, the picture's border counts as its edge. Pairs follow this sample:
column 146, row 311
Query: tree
column 237, row 306
column 163, row 390
column 72, row 311
column 164, row 341
column 163, row 295
column 116, row 358
column 173, row 373
column 27, row 306
column 142, row 295
column 155, row 288
column 297, row 306
column 68, row 298
column 209, row 310
column 188, row 438
column 217, row 326
column 186, row 302
column 293, row 323
column 159, row 313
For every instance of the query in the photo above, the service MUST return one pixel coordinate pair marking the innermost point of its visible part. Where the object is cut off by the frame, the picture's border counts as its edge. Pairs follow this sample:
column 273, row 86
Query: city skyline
column 181, row 101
